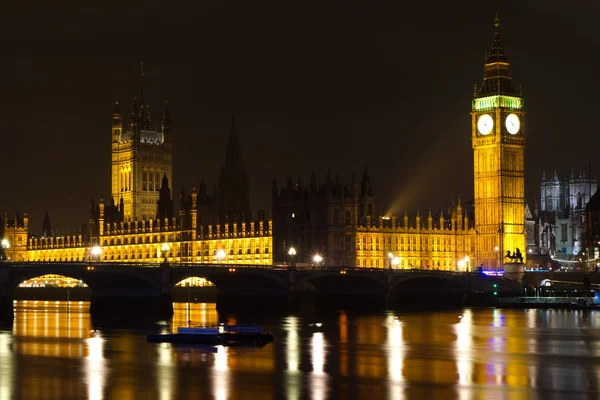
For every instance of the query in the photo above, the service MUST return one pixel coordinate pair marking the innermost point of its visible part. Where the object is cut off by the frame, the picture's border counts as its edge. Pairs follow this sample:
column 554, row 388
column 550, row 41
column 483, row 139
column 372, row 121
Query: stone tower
column 498, row 138
column 234, row 186
column 141, row 156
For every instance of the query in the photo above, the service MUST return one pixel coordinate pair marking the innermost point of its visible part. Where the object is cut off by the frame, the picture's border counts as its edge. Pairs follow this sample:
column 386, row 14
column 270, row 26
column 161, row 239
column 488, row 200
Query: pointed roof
column 234, row 150
column 496, row 54
column 497, row 78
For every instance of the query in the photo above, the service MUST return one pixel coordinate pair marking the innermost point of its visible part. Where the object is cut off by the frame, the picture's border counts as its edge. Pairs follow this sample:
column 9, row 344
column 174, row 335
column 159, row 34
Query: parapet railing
column 278, row 267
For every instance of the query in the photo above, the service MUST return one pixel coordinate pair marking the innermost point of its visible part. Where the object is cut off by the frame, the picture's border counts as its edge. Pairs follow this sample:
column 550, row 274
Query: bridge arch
column 194, row 281
column 97, row 277
column 52, row 280
column 234, row 280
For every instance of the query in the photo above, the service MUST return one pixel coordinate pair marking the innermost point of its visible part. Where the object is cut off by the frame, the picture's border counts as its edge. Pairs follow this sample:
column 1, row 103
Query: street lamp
column 5, row 245
column 390, row 257
column 165, row 249
column 467, row 261
column 292, row 253
column 96, row 251
column 461, row 264
column 317, row 259
column 220, row 255
column 395, row 262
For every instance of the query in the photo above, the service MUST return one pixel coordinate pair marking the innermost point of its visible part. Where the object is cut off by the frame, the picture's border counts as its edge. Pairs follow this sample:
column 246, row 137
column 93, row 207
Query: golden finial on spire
column 497, row 21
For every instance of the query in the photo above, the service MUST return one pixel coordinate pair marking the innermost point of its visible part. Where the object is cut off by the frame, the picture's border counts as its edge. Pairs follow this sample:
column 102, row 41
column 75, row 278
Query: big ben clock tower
column 498, row 137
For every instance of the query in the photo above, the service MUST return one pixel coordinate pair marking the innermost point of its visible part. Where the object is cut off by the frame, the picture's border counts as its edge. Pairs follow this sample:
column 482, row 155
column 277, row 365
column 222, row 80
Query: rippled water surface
column 52, row 352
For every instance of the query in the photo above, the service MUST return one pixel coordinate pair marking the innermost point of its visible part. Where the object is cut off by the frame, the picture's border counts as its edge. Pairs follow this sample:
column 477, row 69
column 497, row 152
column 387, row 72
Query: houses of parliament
column 326, row 217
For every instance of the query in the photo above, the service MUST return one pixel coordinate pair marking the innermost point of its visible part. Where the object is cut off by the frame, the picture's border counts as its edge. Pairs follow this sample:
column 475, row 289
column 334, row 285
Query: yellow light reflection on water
column 220, row 374
column 52, row 322
column 464, row 348
column 292, row 355
column 194, row 314
column 165, row 371
column 395, row 357
column 318, row 378
column 6, row 367
column 95, row 368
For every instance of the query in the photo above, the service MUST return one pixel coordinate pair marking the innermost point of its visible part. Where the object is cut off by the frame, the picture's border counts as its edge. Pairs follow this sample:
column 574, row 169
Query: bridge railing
column 279, row 267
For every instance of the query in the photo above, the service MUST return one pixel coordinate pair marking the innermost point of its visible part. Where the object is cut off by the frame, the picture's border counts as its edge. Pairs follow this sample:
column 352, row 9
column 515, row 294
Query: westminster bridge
column 144, row 288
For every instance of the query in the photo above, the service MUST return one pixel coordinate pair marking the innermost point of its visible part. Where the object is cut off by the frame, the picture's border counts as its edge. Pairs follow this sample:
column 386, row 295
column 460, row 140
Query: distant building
column 560, row 219
column 592, row 220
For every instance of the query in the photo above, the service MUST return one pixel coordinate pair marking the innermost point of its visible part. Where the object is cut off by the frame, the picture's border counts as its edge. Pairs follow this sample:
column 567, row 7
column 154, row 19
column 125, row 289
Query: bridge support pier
column 119, row 308
column 390, row 301
column 390, row 297
column 6, row 300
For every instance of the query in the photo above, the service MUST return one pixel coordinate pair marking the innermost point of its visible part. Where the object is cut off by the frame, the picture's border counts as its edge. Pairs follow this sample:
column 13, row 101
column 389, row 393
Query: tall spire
column 234, row 151
column 496, row 76
column 142, row 85
column 496, row 54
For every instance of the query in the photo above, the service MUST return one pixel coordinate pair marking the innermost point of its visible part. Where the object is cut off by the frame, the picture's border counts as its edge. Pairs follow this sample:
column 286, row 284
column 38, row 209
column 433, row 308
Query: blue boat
column 225, row 335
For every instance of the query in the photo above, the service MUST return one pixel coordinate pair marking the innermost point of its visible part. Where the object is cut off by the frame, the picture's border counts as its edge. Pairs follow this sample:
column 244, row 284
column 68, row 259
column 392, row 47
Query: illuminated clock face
column 485, row 123
column 513, row 124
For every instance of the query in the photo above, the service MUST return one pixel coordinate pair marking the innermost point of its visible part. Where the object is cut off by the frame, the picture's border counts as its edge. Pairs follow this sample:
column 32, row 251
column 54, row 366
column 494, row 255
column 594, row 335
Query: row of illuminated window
column 140, row 239
column 412, row 243
column 151, row 180
column 384, row 262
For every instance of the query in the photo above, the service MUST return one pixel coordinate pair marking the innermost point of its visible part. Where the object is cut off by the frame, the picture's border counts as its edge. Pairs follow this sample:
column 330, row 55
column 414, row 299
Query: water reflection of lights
column 318, row 355
column 395, row 348
column 498, row 346
column 532, row 346
column 318, row 352
column 165, row 371
column 220, row 375
column 293, row 377
column 293, row 344
column 6, row 367
column 464, row 350
column 95, row 368
column 395, row 356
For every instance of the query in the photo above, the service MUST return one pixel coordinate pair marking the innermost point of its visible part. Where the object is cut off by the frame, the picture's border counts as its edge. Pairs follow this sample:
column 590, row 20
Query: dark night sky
column 314, row 84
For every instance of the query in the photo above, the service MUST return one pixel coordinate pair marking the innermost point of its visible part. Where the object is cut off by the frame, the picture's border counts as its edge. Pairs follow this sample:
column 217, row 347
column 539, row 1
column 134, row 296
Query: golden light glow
column 195, row 281
column 395, row 356
column 318, row 378
column 165, row 372
column 51, row 280
column 464, row 351
column 6, row 367
column 95, row 367
column 499, row 183
column 220, row 374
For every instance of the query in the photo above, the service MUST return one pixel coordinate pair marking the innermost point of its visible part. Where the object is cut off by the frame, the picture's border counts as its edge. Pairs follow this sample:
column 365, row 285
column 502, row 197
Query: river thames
column 52, row 352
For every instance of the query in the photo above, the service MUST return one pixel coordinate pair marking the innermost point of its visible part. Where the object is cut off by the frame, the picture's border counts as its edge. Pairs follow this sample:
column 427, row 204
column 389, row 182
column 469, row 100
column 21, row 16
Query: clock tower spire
column 498, row 139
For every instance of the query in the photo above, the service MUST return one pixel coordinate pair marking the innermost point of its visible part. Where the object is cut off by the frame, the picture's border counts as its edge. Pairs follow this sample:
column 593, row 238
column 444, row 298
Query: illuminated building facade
column 15, row 232
column 498, row 139
column 141, row 156
column 339, row 223
column 142, row 226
